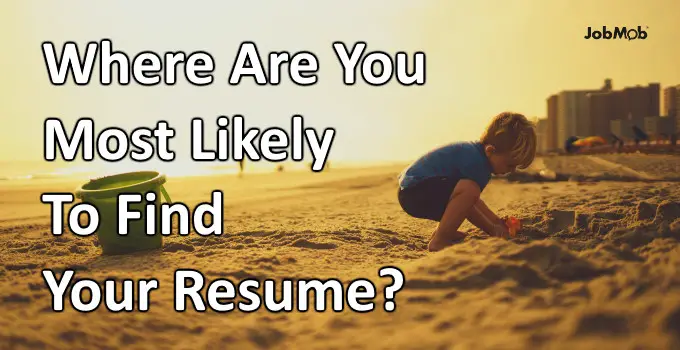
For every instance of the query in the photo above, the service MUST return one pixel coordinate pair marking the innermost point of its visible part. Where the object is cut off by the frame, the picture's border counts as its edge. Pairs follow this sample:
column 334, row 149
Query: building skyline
column 606, row 112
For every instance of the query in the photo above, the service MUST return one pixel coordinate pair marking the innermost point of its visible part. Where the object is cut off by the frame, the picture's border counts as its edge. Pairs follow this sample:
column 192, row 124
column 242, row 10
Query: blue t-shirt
column 461, row 160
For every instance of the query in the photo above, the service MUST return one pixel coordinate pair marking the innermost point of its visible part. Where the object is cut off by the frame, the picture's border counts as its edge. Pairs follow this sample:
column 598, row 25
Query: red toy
column 513, row 225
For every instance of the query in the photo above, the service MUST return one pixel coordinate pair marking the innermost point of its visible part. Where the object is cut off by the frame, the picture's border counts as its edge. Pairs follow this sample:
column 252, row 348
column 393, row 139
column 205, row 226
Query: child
column 445, row 184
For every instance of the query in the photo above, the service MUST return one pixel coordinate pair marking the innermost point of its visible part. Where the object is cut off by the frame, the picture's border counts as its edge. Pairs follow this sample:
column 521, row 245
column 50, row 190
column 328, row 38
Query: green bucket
column 103, row 193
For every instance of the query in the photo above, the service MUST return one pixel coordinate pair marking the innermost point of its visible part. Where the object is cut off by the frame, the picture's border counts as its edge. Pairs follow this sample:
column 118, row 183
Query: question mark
column 391, row 290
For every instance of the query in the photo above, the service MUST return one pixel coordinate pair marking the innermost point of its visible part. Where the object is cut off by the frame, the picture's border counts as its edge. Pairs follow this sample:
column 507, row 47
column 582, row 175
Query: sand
column 596, row 265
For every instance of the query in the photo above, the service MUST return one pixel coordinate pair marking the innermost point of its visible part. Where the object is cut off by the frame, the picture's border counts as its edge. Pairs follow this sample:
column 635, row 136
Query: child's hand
column 501, row 230
column 512, row 224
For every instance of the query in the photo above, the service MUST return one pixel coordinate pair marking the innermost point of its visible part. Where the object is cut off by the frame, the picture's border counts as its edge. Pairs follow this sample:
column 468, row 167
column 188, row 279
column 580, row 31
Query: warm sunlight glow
column 483, row 57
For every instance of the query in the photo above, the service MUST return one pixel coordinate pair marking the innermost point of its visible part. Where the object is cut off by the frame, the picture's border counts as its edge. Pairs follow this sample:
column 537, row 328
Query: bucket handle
column 165, row 194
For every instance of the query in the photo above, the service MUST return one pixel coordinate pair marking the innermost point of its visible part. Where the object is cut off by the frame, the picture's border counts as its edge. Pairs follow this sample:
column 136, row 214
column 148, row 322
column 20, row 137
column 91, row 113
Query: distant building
column 603, row 107
column 659, row 126
column 671, row 104
column 642, row 101
column 671, row 100
column 572, row 115
column 606, row 111
column 622, row 128
column 542, row 136
column 632, row 103
column 551, row 132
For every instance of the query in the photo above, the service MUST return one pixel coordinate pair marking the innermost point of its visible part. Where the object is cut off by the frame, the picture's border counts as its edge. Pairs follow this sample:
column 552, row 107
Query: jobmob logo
column 617, row 33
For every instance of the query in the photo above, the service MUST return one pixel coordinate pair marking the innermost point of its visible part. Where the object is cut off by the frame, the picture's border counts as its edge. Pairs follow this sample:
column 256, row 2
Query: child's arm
column 482, row 217
column 487, row 212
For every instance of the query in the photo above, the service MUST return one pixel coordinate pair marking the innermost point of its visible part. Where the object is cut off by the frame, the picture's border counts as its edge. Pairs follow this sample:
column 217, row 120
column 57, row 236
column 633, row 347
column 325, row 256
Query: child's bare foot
column 440, row 241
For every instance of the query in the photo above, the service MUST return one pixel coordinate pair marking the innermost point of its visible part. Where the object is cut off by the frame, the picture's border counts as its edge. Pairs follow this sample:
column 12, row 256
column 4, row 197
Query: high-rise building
column 671, row 104
column 603, row 107
column 633, row 104
column 641, row 102
column 600, row 109
column 572, row 115
column 542, row 136
column 551, row 129
column 671, row 98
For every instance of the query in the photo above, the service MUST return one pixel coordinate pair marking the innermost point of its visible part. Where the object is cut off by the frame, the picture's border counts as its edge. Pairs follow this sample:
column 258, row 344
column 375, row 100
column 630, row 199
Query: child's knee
column 468, row 190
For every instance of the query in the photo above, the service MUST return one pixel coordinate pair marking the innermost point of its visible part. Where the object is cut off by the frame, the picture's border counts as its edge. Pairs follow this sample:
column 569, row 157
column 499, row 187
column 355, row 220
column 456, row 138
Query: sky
column 482, row 57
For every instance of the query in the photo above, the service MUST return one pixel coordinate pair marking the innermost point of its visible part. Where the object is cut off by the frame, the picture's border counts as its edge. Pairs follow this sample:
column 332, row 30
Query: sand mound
column 557, row 261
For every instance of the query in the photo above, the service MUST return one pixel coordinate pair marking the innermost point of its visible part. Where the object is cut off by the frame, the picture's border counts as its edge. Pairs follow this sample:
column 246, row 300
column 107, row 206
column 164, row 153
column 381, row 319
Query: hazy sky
column 483, row 57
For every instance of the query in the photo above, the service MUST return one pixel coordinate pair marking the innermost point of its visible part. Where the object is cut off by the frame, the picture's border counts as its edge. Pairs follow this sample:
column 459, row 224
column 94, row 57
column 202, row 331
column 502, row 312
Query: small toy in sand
column 513, row 225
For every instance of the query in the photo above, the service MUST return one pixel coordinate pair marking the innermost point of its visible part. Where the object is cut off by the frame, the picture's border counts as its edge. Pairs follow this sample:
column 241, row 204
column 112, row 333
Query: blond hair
column 512, row 133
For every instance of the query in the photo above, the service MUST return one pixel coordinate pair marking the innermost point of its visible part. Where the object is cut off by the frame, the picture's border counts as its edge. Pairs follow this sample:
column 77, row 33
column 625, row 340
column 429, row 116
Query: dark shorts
column 428, row 198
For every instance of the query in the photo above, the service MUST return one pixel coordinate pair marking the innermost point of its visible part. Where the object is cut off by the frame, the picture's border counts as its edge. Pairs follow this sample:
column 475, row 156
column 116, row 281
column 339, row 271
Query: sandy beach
column 595, row 266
